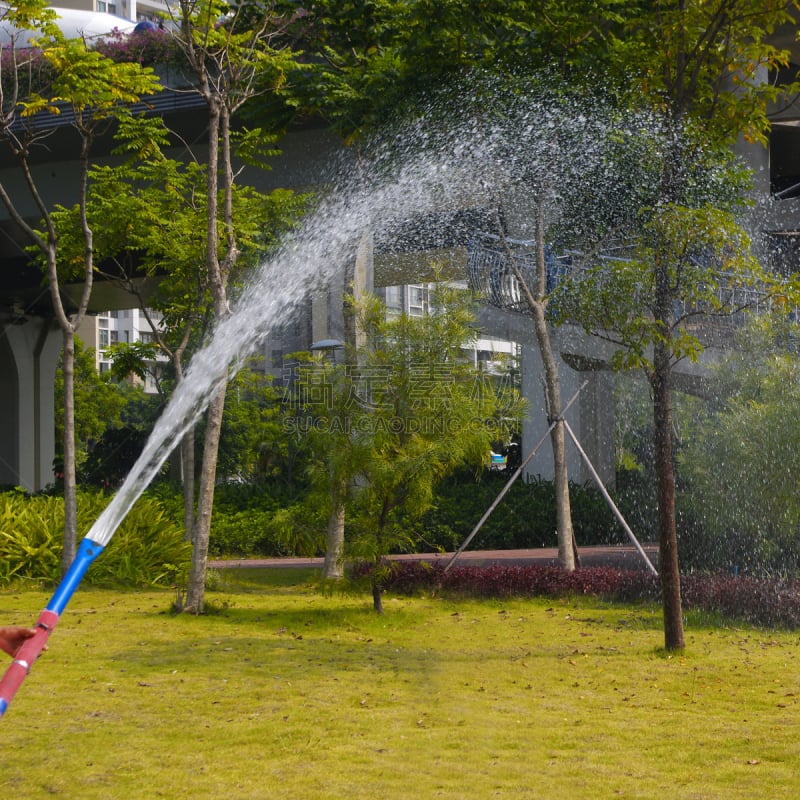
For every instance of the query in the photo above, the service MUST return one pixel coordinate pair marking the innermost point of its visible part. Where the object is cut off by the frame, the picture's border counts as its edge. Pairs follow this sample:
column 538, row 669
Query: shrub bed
column 244, row 519
column 525, row 518
column 761, row 602
column 148, row 548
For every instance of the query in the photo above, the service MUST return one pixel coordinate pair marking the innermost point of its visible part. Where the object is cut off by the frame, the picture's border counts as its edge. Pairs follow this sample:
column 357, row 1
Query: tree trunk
column 377, row 597
column 566, row 535
column 217, row 280
column 187, row 478
column 186, row 450
column 536, row 298
column 665, row 477
column 333, row 568
column 566, row 551
column 195, row 594
column 70, row 477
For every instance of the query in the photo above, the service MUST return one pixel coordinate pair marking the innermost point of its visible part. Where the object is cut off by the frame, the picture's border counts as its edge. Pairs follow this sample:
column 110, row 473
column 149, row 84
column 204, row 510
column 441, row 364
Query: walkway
column 621, row 556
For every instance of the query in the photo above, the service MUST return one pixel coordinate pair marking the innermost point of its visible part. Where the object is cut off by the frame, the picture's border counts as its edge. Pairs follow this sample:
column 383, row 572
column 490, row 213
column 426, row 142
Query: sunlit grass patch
column 288, row 692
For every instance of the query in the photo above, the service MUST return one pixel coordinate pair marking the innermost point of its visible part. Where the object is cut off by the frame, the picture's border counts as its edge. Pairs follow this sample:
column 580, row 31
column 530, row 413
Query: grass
column 284, row 692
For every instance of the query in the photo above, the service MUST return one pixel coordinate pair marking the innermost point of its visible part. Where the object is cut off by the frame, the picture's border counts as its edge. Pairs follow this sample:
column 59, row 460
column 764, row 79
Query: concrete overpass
column 30, row 341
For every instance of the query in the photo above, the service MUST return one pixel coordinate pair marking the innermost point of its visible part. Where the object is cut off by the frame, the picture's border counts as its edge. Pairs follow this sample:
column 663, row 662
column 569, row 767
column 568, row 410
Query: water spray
column 416, row 173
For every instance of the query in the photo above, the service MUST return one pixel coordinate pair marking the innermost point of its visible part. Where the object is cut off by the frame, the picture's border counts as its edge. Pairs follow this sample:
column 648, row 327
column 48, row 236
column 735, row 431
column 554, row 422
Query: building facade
column 102, row 331
column 131, row 10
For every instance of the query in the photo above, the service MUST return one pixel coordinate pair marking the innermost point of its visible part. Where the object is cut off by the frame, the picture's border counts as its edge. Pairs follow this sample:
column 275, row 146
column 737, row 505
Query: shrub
column 244, row 533
column 768, row 603
column 33, row 72
column 149, row 47
column 31, row 534
column 525, row 518
column 251, row 519
column 148, row 547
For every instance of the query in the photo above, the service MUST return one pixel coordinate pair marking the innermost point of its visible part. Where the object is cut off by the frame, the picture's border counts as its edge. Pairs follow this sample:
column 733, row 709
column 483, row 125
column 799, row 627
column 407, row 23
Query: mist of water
column 427, row 178
column 462, row 154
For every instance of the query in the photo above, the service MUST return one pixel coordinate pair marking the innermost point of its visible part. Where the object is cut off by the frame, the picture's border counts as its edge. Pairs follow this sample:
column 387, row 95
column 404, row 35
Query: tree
column 391, row 424
column 89, row 91
column 535, row 289
column 702, row 255
column 547, row 157
column 230, row 62
column 232, row 59
column 701, row 63
column 158, row 252
column 322, row 424
column 678, row 190
column 377, row 61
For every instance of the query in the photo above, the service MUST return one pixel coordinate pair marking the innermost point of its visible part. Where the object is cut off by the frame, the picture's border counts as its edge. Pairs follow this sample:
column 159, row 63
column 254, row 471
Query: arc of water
column 469, row 163
column 303, row 263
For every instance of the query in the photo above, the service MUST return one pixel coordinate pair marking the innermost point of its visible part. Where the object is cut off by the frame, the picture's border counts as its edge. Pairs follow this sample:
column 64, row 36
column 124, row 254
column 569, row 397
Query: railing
column 160, row 104
column 492, row 275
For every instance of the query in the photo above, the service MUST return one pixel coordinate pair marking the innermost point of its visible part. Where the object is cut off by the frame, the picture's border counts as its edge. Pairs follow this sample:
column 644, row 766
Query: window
column 416, row 300
column 394, row 300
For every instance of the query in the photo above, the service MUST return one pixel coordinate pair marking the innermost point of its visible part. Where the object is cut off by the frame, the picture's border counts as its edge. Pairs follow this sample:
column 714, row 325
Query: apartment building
column 131, row 10
column 491, row 354
column 103, row 330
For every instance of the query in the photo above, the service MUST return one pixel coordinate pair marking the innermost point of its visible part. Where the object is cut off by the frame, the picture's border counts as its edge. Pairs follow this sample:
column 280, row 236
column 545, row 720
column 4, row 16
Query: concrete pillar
column 29, row 351
column 363, row 282
column 328, row 319
column 597, row 434
column 591, row 418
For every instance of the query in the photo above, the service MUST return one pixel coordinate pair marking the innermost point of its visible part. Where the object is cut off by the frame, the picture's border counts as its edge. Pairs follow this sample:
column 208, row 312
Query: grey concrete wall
column 29, row 351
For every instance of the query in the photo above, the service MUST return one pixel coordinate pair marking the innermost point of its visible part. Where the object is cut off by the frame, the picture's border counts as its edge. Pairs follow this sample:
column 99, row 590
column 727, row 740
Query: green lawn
column 288, row 693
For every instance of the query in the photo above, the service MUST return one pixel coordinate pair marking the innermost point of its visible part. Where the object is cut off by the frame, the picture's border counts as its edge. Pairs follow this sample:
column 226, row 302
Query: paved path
column 624, row 556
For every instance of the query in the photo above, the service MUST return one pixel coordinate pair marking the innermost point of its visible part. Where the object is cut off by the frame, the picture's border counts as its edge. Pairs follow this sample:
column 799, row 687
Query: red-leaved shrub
column 763, row 602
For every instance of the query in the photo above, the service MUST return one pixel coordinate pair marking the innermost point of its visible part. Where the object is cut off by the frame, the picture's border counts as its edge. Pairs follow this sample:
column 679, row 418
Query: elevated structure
column 30, row 342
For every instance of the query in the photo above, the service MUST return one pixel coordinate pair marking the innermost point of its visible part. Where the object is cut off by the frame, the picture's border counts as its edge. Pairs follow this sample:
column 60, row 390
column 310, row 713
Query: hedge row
column 525, row 518
column 761, row 602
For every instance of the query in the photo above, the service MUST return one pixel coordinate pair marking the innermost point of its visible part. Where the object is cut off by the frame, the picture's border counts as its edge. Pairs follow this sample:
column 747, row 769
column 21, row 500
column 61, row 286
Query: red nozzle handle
column 25, row 658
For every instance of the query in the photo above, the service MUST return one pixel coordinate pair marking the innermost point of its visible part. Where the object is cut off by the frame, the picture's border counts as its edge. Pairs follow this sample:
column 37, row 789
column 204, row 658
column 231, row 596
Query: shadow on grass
column 244, row 579
column 250, row 641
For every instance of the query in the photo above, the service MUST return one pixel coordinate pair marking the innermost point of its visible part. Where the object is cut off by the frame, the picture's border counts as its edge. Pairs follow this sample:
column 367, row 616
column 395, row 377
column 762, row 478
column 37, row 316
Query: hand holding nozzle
column 12, row 637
